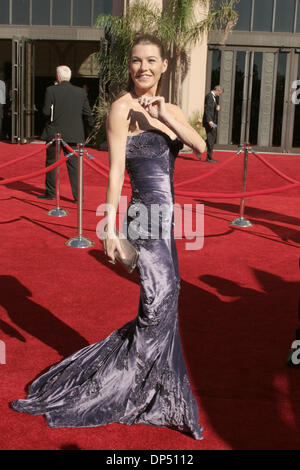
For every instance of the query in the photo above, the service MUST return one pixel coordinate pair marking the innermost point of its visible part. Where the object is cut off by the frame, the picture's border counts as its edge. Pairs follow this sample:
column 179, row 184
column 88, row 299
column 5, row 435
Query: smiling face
column 146, row 66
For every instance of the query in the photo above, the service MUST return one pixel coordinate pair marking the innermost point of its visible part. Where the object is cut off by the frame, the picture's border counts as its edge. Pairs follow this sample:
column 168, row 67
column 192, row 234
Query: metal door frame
column 23, row 107
column 289, row 108
column 247, row 97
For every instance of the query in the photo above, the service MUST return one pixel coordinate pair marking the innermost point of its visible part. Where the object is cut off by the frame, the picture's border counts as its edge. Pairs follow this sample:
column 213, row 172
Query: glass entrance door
column 247, row 98
column 286, row 115
column 257, row 105
column 23, row 107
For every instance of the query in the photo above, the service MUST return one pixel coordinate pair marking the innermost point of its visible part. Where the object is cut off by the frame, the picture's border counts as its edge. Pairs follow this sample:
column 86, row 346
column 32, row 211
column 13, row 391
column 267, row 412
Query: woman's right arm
column 117, row 131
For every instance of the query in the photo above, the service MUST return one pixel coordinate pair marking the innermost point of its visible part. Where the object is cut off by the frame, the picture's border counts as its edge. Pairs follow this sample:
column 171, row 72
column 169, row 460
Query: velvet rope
column 91, row 165
column 19, row 159
column 101, row 165
column 105, row 167
column 275, row 170
column 95, row 161
column 206, row 175
column 239, row 195
column 208, row 195
column 68, row 147
column 36, row 173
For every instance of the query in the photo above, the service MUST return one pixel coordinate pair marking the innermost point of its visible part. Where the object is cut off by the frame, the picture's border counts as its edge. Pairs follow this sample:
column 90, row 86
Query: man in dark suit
column 64, row 106
column 210, row 119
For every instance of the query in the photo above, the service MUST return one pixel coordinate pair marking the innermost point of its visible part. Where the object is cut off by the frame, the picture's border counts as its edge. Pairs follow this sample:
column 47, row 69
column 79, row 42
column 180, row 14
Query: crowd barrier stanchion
column 80, row 241
column 241, row 221
column 57, row 211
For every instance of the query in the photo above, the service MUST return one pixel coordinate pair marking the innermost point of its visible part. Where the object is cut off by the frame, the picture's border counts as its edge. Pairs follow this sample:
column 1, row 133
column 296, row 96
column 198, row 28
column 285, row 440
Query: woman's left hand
column 154, row 105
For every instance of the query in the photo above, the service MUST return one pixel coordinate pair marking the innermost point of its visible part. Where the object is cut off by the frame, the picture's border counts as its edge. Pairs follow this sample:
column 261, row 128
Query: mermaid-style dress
column 136, row 375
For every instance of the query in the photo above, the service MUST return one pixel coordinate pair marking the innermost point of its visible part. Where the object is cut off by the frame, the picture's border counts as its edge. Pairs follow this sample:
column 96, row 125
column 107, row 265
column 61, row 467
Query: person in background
column 210, row 119
column 87, row 127
column 65, row 105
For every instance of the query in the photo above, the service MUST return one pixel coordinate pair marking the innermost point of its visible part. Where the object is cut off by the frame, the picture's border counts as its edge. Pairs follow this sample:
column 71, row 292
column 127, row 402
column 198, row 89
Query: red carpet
column 238, row 306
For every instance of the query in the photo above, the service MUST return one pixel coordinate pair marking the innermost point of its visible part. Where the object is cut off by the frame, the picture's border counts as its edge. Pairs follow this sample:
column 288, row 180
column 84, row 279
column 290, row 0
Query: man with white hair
column 65, row 105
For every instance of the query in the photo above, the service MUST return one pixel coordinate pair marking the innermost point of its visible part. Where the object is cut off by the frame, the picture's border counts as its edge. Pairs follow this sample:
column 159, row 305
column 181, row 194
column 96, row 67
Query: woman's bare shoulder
column 120, row 108
column 122, row 102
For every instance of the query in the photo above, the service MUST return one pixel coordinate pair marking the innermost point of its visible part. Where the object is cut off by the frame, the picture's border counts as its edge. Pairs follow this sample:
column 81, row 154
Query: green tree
column 183, row 25
column 178, row 25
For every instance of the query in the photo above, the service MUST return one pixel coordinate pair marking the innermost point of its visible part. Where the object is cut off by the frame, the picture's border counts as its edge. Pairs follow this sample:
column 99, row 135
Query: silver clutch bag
column 131, row 253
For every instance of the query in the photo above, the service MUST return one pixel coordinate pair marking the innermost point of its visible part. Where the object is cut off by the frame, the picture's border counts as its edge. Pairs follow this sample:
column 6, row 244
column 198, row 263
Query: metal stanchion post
column 241, row 221
column 80, row 241
column 245, row 130
column 57, row 211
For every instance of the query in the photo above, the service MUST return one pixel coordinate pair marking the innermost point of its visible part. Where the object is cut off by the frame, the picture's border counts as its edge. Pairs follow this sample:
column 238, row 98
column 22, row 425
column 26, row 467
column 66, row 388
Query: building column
column 264, row 138
column 194, row 82
column 226, row 80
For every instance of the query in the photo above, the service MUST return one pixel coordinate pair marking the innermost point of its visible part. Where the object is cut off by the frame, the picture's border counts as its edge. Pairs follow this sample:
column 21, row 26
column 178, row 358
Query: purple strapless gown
column 136, row 375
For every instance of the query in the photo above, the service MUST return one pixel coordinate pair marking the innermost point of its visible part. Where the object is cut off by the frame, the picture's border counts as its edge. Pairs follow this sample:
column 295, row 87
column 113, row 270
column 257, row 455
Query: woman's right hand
column 111, row 244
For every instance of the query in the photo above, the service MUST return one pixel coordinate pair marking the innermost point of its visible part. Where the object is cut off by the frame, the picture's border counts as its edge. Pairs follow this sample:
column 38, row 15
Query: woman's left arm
column 173, row 117
column 177, row 122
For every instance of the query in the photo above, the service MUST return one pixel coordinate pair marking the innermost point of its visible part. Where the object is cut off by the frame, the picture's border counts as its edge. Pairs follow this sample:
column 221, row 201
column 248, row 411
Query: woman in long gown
column 136, row 375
